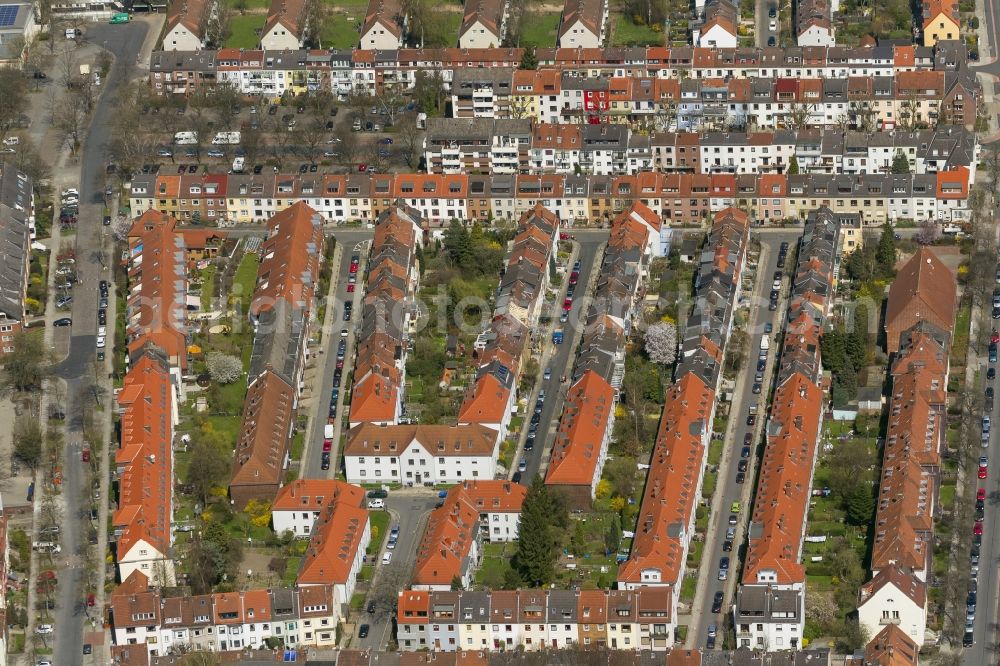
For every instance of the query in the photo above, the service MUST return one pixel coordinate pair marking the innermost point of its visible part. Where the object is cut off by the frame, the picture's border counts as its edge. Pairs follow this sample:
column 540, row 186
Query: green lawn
column 245, row 279
column 629, row 34
column 540, row 29
column 341, row 32
column 688, row 587
column 380, row 528
column 207, row 287
column 291, row 571
column 229, row 426
column 444, row 32
column 248, row 4
column 242, row 30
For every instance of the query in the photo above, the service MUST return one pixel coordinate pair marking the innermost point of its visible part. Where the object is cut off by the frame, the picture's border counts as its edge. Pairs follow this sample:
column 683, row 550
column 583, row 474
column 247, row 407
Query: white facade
column 503, row 526
column 344, row 590
column 300, row 523
column 419, row 465
column 816, row 35
column 478, row 36
column 718, row 37
column 150, row 562
column 279, row 38
column 775, row 631
column 380, row 38
column 180, row 38
column 890, row 605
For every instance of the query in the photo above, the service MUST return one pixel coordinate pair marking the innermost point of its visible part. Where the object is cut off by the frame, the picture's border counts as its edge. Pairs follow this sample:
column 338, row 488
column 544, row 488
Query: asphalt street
column 762, row 21
column 560, row 362
column 737, row 430
column 92, row 248
column 409, row 510
column 351, row 241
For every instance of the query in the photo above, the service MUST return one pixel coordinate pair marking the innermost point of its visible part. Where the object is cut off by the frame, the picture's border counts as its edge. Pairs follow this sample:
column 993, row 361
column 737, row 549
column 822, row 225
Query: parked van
column 186, row 138
column 238, row 164
column 46, row 547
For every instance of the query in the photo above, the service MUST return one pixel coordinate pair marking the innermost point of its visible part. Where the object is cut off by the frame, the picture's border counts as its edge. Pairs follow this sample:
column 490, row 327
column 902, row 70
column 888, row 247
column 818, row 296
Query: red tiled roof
column 145, row 500
column 336, row 538
column 672, row 484
column 265, row 434
column 290, row 259
column 924, row 290
column 314, row 494
column 578, row 441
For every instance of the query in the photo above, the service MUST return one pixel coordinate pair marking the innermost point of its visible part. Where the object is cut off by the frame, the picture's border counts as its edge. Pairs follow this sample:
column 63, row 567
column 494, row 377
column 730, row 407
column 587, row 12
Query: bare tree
column 410, row 143
column 317, row 16
column 386, row 588
column 929, row 232
column 217, row 29
column 68, row 121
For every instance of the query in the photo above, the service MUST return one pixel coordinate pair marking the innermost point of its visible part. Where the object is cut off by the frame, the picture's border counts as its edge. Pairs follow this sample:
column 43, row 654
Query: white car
column 100, row 341
column 11, row 141
column 773, row 25
column 71, row 190
column 386, row 558
column 44, row 662
column 44, row 629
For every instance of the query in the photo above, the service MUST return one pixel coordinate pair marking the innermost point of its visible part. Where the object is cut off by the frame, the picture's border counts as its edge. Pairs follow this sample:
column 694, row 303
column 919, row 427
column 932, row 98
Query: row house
column 374, row 67
column 677, row 198
column 484, row 24
column 338, row 540
column 533, row 620
column 144, row 472
column 161, row 626
column 280, row 311
column 473, row 512
column 491, row 400
column 156, row 305
column 581, row 442
column 187, row 25
column 920, row 320
column 420, row 454
column 383, row 334
column 658, row 557
column 17, row 230
column 769, row 611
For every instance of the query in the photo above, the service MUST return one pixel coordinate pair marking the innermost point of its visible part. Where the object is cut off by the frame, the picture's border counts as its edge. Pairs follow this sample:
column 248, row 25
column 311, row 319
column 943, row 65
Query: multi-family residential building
column 472, row 513
column 337, row 545
column 281, row 310
column 384, row 26
column 17, row 229
column 187, row 25
column 143, row 620
column 658, row 557
column 484, row 24
column 533, row 620
column 144, row 472
column 383, row 335
column 720, row 27
column 940, row 21
column 920, row 323
column 286, row 25
column 298, row 504
column 583, row 24
column 769, row 613
column 419, row 454
column 461, row 145
column 814, row 24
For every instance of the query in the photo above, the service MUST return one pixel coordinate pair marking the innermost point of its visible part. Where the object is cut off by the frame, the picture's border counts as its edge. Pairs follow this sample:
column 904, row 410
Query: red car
column 327, row 444
column 564, row 236
column 350, row 289
column 362, row 168
column 982, row 471
column 978, row 529
column 995, row 337
column 568, row 304
column 981, row 494
column 340, row 363
column 574, row 277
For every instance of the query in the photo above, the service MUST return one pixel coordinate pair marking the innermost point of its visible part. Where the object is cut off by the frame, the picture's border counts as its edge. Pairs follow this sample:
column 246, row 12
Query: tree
column 620, row 473
column 428, row 92
column 661, row 343
column 201, row 659
column 458, row 245
column 613, row 537
column 537, row 545
column 929, row 232
column 529, row 60
column 798, row 116
column 209, row 467
column 793, row 166
column 14, row 100
column 821, row 610
column 27, row 437
column 68, row 121
column 317, row 15
column 27, row 366
column 409, row 141
column 219, row 22
column 456, row 583
column 859, row 506
column 900, row 164
column 385, row 590
column 224, row 368
column 885, row 254
column 850, row 464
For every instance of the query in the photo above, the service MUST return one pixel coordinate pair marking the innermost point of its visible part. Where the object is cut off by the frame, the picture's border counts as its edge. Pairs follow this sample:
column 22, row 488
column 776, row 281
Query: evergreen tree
column 885, row 254
column 536, row 552
column 900, row 164
column 458, row 245
column 793, row 166
column 859, row 506
column 529, row 60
